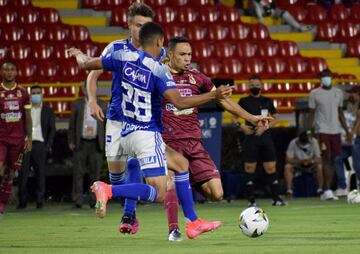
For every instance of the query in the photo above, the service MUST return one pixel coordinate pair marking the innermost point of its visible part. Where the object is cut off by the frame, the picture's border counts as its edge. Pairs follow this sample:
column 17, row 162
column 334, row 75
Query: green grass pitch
column 306, row 226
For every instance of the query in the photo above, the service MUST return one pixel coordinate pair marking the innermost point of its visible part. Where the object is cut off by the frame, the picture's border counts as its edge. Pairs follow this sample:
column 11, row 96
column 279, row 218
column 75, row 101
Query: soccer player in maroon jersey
column 182, row 130
column 15, row 129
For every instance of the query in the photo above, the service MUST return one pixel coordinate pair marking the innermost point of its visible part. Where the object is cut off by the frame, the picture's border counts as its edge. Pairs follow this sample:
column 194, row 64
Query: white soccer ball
column 353, row 197
column 253, row 222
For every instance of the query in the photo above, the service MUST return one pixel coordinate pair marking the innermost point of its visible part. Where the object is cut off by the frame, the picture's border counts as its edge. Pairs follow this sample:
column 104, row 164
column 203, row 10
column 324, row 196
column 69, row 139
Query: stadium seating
column 246, row 49
column 157, row 3
column 7, row 16
column 355, row 13
column 187, row 15
column 41, row 51
column 179, row 3
column 347, row 30
column 28, row 15
column 25, row 71
column 35, row 33
column 274, row 67
column 232, row 68
column 57, row 33
column 353, row 48
column 49, row 16
column 197, row 32
column 225, row 49
column 70, row 71
column 327, row 31
column 5, row 2
column 217, row 32
column 174, row 29
column 47, row 72
column 91, row 3
column 316, row 65
column 20, row 51
column 89, row 48
column 259, row 32
column 119, row 17
column 202, row 50
column 289, row 48
column 165, row 15
column 298, row 12
column 296, row 67
column 210, row 67
column 22, row 3
column 339, row 12
column 316, row 14
column 11, row 33
column 268, row 48
column 229, row 15
column 79, row 33
column 253, row 66
column 209, row 14
column 59, row 49
column 239, row 31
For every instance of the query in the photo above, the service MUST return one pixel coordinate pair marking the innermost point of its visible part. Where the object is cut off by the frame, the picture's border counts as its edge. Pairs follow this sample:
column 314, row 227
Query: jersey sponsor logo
column 136, row 76
column 130, row 127
column 185, row 92
column 170, row 107
column 147, row 160
column 170, row 83
column 12, row 105
column 11, row 117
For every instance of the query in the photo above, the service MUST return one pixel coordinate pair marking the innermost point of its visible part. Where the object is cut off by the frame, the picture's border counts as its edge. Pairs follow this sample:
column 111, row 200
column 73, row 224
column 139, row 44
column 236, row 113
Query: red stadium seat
column 209, row 14
column 298, row 12
column 232, row 69
column 187, row 15
column 7, row 16
column 41, row 51
column 316, row 14
column 22, row 3
column 89, row 48
column 253, row 66
column 229, row 15
column 174, row 29
column 11, row 33
column 119, row 17
column 200, row 3
column 197, row 32
column 353, row 48
column 347, row 30
column 339, row 12
column 157, row 3
column 57, row 33
column 239, row 31
column 79, row 33
column 327, row 31
column 34, row 33
column 111, row 4
column 20, row 51
column 5, row 3
column 289, row 48
column 316, row 65
column 50, row 16
column 268, row 48
column 246, row 49
column 202, row 50
column 26, row 71
column 355, row 13
column 179, row 3
column 284, row 4
column 210, row 67
column 218, row 32
column 60, row 48
column 296, row 67
column 224, row 49
column 259, row 32
column 165, row 14
column 28, row 15
column 70, row 71
column 47, row 72
column 274, row 67
column 91, row 4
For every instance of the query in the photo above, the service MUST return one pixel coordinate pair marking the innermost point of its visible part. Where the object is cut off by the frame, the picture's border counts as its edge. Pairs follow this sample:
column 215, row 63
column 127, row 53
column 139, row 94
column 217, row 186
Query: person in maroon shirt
column 182, row 131
column 15, row 129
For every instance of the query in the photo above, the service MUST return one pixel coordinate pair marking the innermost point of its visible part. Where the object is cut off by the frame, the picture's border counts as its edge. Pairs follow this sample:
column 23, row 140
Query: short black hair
column 35, row 87
column 255, row 77
column 140, row 9
column 325, row 73
column 149, row 32
column 175, row 40
column 8, row 62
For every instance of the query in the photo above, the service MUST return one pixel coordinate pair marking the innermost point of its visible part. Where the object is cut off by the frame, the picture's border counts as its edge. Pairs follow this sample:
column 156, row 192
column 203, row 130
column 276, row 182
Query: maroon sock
column 172, row 208
column 5, row 192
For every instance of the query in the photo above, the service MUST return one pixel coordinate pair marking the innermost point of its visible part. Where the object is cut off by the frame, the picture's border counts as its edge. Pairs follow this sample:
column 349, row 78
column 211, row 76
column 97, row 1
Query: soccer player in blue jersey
column 138, row 15
column 144, row 82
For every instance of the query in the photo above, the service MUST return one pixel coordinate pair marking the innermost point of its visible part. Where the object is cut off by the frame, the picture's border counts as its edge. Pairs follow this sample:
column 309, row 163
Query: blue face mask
column 326, row 81
column 36, row 98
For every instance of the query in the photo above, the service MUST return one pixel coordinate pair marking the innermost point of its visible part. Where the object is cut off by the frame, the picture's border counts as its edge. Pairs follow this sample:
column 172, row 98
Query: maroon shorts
column 201, row 166
column 11, row 153
column 330, row 144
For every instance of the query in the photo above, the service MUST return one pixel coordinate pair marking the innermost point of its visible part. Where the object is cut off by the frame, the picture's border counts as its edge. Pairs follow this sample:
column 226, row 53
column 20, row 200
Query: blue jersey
column 143, row 81
column 114, row 110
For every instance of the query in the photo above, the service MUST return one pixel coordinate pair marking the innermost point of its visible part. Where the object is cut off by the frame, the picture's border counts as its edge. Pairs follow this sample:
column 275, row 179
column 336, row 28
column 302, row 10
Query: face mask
column 326, row 81
column 255, row 90
column 36, row 98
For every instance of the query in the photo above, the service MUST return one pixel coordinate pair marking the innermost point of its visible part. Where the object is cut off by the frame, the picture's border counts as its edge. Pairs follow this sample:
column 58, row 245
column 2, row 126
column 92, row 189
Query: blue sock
column 135, row 191
column 184, row 193
column 134, row 176
column 117, row 178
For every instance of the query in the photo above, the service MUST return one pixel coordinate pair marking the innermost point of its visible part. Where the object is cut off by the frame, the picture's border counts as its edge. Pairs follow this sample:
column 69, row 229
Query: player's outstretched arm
column 180, row 103
column 84, row 61
column 91, row 86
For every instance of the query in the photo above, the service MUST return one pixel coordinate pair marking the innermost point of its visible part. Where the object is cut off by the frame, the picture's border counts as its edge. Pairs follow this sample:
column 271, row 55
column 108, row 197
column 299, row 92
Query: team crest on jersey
column 136, row 76
column 19, row 94
column 192, row 79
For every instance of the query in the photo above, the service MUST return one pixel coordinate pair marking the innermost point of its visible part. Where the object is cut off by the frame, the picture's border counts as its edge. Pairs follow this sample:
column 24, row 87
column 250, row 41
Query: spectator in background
column 356, row 147
column 258, row 144
column 15, row 129
column 43, row 134
column 346, row 145
column 86, row 140
column 326, row 114
column 303, row 156
column 264, row 8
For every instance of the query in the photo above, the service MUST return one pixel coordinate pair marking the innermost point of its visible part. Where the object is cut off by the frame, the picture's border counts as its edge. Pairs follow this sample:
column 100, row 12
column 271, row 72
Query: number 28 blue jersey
column 114, row 110
column 143, row 81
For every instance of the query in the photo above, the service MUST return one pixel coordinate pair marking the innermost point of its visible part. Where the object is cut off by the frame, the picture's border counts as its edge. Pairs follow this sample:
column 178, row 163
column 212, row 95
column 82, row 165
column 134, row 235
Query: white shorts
column 149, row 148
column 112, row 140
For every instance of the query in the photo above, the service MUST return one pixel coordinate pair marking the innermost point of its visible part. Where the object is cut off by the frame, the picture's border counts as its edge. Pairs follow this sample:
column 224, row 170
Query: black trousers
column 87, row 160
column 36, row 158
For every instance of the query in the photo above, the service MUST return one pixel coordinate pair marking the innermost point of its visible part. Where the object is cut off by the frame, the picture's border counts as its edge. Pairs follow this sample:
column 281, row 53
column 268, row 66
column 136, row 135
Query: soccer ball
column 253, row 222
column 353, row 197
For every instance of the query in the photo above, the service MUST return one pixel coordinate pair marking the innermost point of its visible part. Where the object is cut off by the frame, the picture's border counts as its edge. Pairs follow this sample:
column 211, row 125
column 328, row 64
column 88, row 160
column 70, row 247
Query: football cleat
column 199, row 226
column 103, row 193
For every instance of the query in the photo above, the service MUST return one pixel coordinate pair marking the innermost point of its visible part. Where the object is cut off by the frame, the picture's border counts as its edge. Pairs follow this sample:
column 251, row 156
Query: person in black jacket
column 43, row 134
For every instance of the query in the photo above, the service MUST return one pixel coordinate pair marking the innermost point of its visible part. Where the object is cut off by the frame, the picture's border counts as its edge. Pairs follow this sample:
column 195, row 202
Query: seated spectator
column 303, row 155
column 264, row 8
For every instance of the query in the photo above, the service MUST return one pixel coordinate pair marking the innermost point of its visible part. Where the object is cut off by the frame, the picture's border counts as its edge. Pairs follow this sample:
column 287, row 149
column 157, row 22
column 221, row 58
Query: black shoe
column 252, row 202
column 126, row 224
column 175, row 235
column 21, row 206
column 279, row 202
column 39, row 205
column 77, row 206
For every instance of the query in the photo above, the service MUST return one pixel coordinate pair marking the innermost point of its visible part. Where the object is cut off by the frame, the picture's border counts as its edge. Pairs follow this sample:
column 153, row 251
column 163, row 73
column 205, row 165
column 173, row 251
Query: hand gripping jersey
column 181, row 124
column 114, row 110
column 143, row 81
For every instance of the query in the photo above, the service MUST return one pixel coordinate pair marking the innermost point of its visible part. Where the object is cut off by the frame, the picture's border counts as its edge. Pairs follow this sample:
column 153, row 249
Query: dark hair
column 35, row 87
column 175, row 40
column 149, row 32
column 9, row 62
column 140, row 9
column 255, row 76
column 325, row 73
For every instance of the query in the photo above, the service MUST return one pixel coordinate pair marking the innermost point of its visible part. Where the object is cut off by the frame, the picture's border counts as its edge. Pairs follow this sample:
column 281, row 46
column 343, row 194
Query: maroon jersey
column 181, row 124
column 12, row 112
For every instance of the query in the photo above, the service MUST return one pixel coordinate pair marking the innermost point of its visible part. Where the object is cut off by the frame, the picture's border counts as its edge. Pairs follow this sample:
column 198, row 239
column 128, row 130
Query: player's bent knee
column 217, row 196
